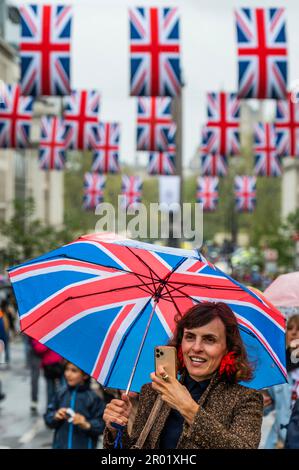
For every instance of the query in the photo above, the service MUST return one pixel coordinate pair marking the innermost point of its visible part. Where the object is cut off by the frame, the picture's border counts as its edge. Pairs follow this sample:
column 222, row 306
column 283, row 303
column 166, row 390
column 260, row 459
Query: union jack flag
column 287, row 127
column 131, row 191
column 262, row 50
column 106, row 149
column 155, row 52
column 81, row 119
column 163, row 163
column 90, row 301
column 267, row 162
column 154, row 124
column 207, row 192
column 15, row 117
column 245, row 193
column 94, row 185
column 45, row 49
column 211, row 163
column 223, row 123
column 52, row 154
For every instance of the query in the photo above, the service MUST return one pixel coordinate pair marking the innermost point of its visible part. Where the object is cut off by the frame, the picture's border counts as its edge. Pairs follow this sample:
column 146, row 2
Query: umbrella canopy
column 93, row 300
column 284, row 291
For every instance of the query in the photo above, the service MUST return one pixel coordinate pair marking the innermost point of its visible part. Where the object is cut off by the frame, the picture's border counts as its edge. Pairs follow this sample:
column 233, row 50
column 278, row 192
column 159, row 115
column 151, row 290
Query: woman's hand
column 117, row 411
column 175, row 395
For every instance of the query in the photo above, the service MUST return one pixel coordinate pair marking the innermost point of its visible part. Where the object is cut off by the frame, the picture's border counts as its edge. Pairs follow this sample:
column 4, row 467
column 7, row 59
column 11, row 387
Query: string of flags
column 155, row 80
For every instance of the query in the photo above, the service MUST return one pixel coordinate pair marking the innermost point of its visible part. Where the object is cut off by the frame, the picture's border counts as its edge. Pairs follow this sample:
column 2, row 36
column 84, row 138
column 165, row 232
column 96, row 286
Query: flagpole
column 141, row 346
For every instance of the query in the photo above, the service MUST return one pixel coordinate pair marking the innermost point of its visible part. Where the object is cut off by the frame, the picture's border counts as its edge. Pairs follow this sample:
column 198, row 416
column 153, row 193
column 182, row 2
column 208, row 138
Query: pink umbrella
column 284, row 291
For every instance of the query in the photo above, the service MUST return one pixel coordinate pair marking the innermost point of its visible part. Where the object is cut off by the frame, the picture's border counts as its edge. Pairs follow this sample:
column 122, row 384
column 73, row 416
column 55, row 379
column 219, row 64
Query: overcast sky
column 100, row 57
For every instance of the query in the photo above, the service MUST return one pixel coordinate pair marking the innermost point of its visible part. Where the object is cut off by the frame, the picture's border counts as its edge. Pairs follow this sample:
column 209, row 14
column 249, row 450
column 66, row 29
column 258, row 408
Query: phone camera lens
column 162, row 353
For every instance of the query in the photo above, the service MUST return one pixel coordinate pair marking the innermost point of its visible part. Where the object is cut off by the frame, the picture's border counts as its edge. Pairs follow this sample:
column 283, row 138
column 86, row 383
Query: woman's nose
column 197, row 346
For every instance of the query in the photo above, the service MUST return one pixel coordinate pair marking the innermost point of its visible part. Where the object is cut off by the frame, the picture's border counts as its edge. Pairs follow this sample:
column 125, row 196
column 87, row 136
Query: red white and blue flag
column 262, row 52
column 15, row 117
column 211, row 164
column 222, row 127
column 131, row 191
column 245, row 193
column 207, row 192
column 52, row 153
column 155, row 52
column 106, row 149
column 163, row 163
column 287, row 126
column 45, row 49
column 154, row 124
column 267, row 163
column 81, row 119
column 94, row 185
column 90, row 301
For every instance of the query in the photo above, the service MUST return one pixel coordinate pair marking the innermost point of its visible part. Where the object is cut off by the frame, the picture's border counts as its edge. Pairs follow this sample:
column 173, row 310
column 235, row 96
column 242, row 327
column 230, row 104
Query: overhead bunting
column 81, row 119
column 267, row 162
column 94, row 185
column 15, row 117
column 106, row 149
column 223, row 120
column 163, row 163
column 245, row 193
column 207, row 192
column 154, row 52
column 287, row 126
column 45, row 49
column 131, row 191
column 262, row 52
column 52, row 154
column 154, row 122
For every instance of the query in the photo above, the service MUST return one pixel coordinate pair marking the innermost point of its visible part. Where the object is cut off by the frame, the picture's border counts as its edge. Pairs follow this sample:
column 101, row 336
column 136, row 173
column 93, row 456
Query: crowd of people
column 204, row 408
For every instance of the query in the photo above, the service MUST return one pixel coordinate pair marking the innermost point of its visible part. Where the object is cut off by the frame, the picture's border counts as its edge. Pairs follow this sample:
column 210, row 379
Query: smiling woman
column 207, row 407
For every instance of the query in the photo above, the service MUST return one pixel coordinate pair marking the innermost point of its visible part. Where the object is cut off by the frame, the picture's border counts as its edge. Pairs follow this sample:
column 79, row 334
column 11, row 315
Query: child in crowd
column 75, row 412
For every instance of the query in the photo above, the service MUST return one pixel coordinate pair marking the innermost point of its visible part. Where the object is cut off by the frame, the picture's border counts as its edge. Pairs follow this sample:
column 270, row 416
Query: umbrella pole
column 141, row 346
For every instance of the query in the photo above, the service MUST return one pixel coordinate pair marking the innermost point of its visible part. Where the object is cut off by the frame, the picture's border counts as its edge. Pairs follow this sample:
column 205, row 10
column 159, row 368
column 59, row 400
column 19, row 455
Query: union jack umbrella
column 207, row 192
column 223, row 122
column 245, row 193
column 287, row 126
column 267, row 162
column 131, row 191
column 45, row 49
column 52, row 154
column 15, row 117
column 262, row 52
column 81, row 119
column 94, row 185
column 163, row 163
column 155, row 52
column 104, row 305
column 106, row 149
column 154, row 123
column 211, row 164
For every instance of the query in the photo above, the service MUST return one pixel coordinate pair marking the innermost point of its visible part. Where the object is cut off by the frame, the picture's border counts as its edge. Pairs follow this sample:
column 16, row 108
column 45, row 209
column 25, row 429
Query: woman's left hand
column 175, row 395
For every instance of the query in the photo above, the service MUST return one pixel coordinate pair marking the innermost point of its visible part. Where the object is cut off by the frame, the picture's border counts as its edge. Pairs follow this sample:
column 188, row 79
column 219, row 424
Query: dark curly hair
column 202, row 314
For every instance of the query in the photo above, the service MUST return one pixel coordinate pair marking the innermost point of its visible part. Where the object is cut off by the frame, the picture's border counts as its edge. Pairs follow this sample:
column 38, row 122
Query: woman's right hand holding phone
column 117, row 411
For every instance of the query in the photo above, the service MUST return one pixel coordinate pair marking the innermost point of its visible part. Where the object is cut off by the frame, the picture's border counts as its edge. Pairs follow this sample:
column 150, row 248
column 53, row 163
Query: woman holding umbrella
column 207, row 407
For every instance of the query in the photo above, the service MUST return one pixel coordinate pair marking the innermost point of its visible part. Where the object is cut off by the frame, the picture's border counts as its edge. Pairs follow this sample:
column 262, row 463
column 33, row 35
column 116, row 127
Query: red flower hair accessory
column 228, row 365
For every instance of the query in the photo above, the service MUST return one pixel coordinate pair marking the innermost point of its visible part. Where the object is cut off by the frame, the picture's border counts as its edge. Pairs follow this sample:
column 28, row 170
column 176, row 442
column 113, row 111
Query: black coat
column 84, row 401
column 292, row 439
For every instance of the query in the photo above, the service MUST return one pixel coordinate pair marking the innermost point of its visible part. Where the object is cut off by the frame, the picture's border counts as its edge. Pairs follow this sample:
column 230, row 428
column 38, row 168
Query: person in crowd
column 292, row 438
column 4, row 331
column 52, row 365
column 75, row 413
column 207, row 408
column 284, row 395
